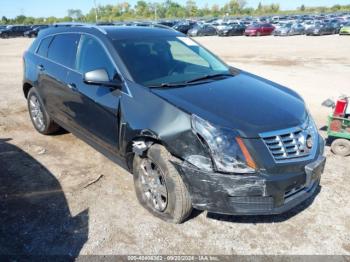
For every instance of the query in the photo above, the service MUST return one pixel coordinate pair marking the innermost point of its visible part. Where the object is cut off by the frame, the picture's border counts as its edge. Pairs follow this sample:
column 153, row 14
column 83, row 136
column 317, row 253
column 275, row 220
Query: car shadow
column 265, row 219
column 34, row 215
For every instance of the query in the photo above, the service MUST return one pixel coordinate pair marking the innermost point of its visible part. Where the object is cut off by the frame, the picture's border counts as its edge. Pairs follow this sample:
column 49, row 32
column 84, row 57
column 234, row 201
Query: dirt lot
column 48, row 206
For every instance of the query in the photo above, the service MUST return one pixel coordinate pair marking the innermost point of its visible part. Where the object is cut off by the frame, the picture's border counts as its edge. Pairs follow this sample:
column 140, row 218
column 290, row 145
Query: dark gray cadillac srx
column 193, row 131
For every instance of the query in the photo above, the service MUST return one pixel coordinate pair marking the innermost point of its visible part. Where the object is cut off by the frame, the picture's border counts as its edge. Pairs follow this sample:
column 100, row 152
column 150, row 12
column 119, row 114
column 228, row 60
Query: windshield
column 154, row 62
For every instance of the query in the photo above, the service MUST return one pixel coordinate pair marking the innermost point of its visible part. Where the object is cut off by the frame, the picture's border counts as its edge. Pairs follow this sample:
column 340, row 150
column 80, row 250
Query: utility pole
column 96, row 13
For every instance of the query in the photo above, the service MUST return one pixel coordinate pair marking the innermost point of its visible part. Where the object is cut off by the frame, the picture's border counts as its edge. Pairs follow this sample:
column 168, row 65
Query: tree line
column 123, row 11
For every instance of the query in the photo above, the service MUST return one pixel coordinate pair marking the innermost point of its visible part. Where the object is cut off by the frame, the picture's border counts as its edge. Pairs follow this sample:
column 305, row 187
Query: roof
column 116, row 32
column 120, row 32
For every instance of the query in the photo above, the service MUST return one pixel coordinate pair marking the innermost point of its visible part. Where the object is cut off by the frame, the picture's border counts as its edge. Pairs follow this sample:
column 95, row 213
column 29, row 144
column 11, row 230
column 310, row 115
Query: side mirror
column 100, row 77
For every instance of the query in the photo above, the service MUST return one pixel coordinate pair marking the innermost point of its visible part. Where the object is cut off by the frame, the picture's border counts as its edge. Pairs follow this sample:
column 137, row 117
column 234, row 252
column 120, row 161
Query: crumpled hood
column 245, row 103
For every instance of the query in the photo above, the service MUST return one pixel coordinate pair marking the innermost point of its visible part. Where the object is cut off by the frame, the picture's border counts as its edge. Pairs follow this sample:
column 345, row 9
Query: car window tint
column 63, row 49
column 184, row 54
column 92, row 56
column 44, row 46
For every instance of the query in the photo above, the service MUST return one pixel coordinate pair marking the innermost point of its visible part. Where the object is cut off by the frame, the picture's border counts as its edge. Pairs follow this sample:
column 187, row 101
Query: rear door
column 94, row 108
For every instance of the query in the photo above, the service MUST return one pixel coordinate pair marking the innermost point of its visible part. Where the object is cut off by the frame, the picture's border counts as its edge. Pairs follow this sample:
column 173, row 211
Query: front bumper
column 251, row 194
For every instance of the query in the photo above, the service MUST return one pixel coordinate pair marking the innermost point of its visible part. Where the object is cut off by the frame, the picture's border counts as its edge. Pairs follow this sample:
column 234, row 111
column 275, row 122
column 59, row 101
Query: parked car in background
column 34, row 31
column 184, row 27
column 194, row 131
column 13, row 31
column 345, row 30
column 231, row 30
column 169, row 23
column 290, row 29
column 202, row 30
column 321, row 29
column 336, row 25
column 259, row 29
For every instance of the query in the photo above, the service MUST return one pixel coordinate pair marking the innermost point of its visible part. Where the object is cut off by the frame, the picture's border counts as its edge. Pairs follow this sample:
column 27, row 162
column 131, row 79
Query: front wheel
column 341, row 147
column 159, row 187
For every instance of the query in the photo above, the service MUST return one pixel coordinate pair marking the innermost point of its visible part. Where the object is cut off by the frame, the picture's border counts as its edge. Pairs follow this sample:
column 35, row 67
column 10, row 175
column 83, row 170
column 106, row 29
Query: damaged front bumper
column 259, row 194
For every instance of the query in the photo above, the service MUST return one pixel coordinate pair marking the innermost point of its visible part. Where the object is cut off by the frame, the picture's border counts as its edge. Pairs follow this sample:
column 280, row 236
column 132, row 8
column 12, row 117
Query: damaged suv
column 195, row 132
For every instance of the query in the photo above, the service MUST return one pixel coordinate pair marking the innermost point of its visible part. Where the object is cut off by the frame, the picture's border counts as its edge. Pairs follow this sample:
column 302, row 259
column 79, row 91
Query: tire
column 258, row 34
column 32, row 35
column 41, row 120
column 175, row 204
column 5, row 36
column 341, row 147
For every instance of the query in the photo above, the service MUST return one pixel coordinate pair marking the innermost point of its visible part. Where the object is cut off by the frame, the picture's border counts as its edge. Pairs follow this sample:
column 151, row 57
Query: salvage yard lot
column 77, row 201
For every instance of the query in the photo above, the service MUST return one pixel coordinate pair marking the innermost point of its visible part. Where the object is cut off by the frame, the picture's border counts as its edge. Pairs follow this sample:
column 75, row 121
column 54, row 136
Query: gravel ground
column 49, row 206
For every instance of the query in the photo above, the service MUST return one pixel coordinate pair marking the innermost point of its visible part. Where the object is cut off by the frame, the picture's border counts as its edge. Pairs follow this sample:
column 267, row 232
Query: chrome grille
column 287, row 144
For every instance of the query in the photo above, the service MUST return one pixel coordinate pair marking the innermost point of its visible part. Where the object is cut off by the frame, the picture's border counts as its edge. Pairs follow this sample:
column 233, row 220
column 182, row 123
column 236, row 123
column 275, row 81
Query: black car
column 13, row 31
column 232, row 30
column 193, row 131
column 321, row 29
column 184, row 27
column 33, row 32
column 202, row 30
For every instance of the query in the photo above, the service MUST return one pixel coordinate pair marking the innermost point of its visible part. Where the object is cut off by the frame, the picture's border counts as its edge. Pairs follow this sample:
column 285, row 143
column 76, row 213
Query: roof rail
column 68, row 24
column 145, row 24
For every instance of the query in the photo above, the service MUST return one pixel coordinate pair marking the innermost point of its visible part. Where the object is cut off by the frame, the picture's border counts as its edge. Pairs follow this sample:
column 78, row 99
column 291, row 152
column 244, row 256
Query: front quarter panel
column 146, row 115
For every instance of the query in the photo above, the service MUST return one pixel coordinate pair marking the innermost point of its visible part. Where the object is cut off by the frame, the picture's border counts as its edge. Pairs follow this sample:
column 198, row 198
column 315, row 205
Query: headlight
column 313, row 138
column 227, row 150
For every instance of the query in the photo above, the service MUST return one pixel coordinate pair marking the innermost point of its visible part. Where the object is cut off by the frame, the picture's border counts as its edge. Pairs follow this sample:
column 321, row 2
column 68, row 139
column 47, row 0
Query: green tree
column 191, row 8
column 75, row 14
column 142, row 9
column 4, row 20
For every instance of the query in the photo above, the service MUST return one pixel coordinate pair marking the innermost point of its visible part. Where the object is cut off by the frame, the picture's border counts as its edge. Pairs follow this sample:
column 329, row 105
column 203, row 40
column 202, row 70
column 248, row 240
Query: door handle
column 72, row 87
column 41, row 67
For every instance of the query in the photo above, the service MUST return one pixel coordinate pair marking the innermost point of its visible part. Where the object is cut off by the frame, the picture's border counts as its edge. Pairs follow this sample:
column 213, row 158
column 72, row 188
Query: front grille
column 252, row 203
column 287, row 145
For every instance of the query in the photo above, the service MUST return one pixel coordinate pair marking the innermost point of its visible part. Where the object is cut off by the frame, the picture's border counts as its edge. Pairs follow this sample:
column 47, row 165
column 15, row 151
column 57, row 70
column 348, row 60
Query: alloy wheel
column 36, row 113
column 153, row 185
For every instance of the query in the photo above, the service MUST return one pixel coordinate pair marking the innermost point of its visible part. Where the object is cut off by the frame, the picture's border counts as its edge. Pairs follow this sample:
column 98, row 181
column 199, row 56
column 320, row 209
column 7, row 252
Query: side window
column 92, row 56
column 185, row 54
column 63, row 49
column 44, row 46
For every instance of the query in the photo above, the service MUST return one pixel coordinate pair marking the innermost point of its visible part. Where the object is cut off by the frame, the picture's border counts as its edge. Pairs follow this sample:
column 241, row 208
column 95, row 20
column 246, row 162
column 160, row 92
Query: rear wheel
column 40, row 118
column 159, row 187
column 341, row 147
column 5, row 35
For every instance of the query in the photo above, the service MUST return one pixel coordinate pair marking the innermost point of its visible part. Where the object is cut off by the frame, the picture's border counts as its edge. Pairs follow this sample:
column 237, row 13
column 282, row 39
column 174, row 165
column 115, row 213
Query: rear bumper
column 251, row 195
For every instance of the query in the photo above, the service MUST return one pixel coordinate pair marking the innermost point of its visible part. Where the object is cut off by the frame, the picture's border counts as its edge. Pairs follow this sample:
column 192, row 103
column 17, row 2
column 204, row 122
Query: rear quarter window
column 44, row 46
column 63, row 49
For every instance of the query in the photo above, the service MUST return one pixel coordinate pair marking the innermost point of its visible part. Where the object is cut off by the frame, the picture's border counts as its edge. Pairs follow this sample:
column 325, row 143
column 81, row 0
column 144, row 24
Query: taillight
column 340, row 107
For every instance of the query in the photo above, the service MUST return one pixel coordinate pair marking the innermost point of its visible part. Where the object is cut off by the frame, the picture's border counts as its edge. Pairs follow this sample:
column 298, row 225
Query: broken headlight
column 227, row 150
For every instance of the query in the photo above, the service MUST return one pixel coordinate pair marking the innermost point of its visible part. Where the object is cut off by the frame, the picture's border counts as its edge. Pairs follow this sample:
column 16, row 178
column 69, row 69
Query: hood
column 246, row 103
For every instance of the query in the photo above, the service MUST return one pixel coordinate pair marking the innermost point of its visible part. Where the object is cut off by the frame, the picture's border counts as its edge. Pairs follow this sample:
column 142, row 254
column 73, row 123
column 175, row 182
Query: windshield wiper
column 190, row 82
column 206, row 77
column 163, row 85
